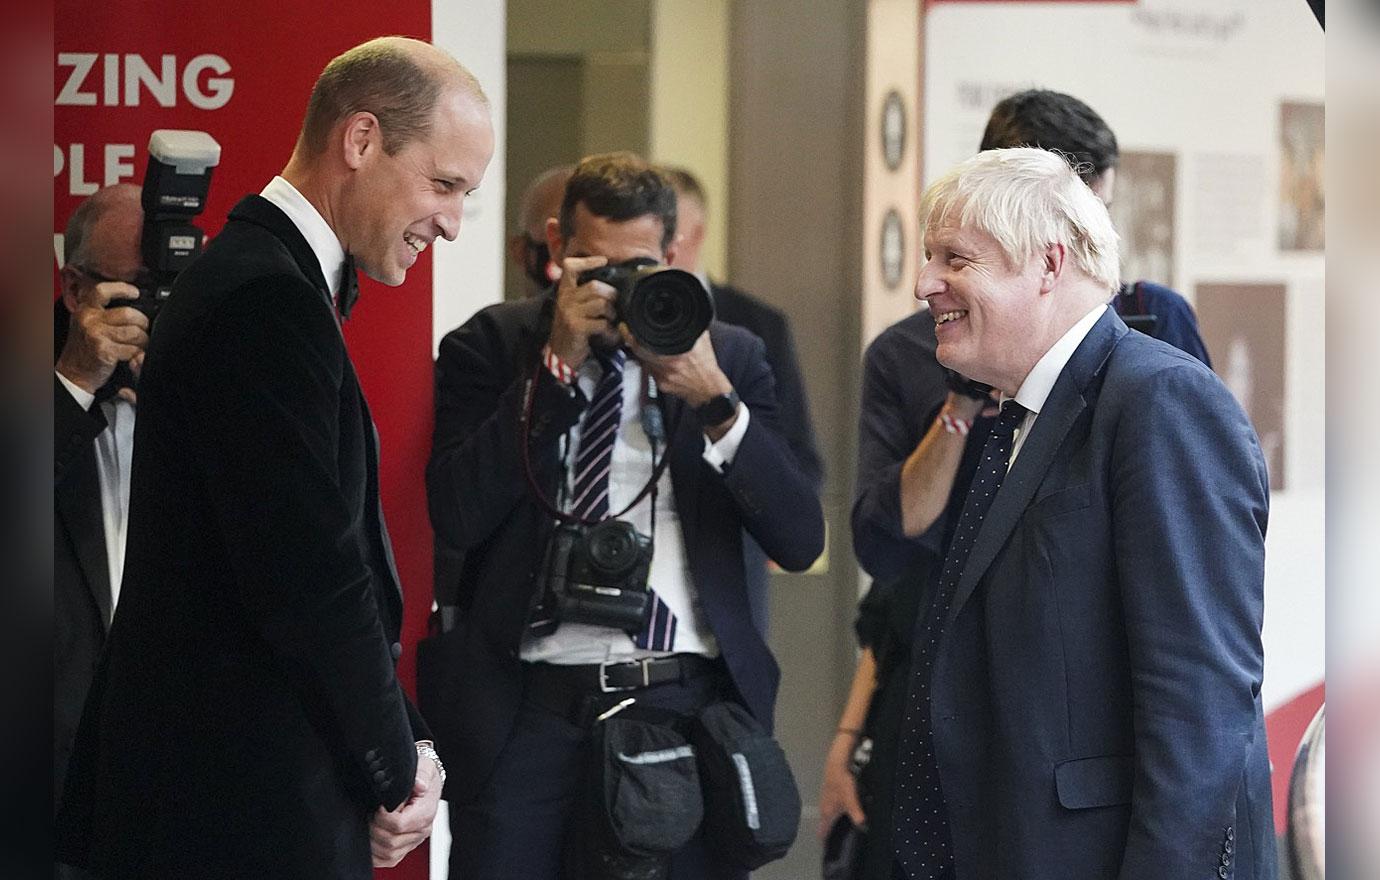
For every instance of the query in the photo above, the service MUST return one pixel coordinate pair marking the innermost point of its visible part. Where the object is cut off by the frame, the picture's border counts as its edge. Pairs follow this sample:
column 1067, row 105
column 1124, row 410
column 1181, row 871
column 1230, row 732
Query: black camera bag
column 645, row 799
column 752, row 806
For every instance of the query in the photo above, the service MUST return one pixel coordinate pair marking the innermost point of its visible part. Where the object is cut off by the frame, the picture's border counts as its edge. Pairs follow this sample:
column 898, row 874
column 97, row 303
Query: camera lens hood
column 667, row 310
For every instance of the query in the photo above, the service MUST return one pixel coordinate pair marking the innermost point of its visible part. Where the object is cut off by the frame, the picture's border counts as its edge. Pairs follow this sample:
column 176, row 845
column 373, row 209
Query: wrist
column 955, row 424
column 716, row 410
column 715, row 388
column 77, row 377
column 558, row 366
column 572, row 351
column 426, row 750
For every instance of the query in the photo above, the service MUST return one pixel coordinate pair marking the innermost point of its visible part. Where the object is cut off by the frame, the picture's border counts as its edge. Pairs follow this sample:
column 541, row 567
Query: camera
column 598, row 575
column 666, row 309
column 175, row 186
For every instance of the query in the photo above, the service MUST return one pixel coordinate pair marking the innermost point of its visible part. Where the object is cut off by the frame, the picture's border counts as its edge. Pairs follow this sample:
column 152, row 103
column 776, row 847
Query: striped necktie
column 589, row 497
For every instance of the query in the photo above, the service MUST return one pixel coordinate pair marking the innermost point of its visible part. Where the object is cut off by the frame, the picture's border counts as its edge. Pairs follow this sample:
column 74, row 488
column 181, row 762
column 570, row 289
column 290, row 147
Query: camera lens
column 668, row 310
column 612, row 549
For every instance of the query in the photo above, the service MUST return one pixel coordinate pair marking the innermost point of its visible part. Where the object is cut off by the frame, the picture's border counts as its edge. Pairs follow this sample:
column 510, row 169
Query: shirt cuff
column 564, row 373
column 720, row 454
column 83, row 397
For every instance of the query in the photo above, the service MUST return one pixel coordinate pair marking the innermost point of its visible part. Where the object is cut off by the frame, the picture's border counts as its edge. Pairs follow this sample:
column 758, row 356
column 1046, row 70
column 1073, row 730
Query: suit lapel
column 78, row 504
column 371, row 463
column 1065, row 404
column 261, row 212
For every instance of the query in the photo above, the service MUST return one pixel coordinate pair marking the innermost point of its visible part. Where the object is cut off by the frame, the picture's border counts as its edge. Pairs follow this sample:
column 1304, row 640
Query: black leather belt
column 570, row 690
column 615, row 676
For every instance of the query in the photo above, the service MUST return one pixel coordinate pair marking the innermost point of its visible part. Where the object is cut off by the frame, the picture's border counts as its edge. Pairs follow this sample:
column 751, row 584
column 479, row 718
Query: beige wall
column 893, row 63
column 688, row 123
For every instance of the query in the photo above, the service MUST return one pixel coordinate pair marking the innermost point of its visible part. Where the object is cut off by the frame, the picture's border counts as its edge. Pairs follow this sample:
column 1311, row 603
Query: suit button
column 1231, row 833
column 1228, row 847
column 1226, row 860
column 396, row 648
column 371, row 755
column 379, row 777
column 1222, row 872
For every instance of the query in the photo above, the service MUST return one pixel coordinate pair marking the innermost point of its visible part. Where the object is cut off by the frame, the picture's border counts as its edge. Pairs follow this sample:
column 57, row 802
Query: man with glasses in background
column 93, row 434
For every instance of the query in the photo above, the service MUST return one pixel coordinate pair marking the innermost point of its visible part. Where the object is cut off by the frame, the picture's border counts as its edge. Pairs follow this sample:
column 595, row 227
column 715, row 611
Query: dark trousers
column 518, row 826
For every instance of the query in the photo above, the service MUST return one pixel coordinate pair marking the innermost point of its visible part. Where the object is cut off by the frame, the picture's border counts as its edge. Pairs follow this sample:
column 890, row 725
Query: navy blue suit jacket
column 1175, row 322
column 491, row 534
column 1096, row 696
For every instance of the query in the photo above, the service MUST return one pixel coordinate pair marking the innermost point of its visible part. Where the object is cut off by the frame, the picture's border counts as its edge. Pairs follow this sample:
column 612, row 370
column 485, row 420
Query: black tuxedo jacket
column 492, row 533
column 81, row 572
column 246, row 718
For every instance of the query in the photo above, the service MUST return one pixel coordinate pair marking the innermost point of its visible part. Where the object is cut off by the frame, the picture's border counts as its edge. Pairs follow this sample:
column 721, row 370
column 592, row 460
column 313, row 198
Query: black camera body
column 598, row 575
column 666, row 309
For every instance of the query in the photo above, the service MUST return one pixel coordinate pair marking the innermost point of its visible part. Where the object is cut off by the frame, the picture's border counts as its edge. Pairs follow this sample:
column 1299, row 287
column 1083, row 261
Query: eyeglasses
column 142, row 279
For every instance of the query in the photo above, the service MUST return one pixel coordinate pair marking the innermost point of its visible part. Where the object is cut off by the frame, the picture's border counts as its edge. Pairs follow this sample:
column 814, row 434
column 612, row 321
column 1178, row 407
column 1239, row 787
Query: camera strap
column 525, row 438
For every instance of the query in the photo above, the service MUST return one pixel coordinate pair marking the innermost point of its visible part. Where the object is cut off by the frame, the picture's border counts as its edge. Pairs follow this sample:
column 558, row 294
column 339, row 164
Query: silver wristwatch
column 426, row 749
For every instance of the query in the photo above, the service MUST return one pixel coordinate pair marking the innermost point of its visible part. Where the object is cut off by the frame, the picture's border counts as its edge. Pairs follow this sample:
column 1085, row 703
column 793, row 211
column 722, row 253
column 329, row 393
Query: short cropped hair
column 620, row 186
column 685, row 182
column 1027, row 199
column 397, row 79
column 1053, row 121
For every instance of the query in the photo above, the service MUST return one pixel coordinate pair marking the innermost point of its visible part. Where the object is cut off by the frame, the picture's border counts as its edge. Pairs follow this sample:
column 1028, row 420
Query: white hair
column 1027, row 199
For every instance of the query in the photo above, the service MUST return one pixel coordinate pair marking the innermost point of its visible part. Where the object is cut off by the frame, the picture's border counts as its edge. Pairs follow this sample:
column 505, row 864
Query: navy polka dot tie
column 921, row 824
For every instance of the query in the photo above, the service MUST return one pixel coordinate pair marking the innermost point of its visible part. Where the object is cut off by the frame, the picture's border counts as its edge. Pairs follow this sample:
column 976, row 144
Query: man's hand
column 393, row 835
column 966, row 408
column 99, row 338
column 581, row 311
column 693, row 376
column 839, row 792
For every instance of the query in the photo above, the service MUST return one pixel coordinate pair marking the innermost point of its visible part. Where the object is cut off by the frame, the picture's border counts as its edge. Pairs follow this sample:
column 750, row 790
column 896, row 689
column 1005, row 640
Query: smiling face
column 989, row 314
column 399, row 204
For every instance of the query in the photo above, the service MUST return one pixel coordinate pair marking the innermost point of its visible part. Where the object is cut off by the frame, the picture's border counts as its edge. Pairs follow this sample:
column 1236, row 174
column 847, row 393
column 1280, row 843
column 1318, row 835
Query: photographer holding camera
column 93, row 431
column 597, row 456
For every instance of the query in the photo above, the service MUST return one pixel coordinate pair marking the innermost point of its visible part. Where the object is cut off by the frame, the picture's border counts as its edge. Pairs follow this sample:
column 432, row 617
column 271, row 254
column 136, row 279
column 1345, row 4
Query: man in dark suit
column 527, row 249
column 770, row 324
column 246, row 719
column 520, row 687
column 93, row 433
column 1085, row 687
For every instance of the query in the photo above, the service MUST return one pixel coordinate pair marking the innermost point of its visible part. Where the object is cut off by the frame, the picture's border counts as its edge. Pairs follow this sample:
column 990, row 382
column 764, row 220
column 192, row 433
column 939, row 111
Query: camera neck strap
column 652, row 423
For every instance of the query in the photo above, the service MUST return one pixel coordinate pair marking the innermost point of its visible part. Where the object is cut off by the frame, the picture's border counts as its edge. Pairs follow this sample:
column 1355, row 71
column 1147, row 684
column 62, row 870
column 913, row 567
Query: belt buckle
column 606, row 688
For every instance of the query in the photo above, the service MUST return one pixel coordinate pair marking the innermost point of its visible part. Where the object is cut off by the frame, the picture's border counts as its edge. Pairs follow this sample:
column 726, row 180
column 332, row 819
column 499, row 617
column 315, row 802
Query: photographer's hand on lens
column 582, row 311
column 99, row 338
column 393, row 835
column 694, row 376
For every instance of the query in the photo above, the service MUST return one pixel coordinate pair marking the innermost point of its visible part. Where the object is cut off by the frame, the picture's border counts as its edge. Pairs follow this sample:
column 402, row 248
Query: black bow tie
column 349, row 288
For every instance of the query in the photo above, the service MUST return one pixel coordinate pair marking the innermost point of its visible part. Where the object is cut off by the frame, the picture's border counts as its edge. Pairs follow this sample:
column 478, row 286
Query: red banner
column 242, row 71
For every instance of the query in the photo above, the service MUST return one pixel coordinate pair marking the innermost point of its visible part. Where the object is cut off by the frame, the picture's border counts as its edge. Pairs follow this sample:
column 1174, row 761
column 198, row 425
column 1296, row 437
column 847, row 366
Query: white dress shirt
column 1039, row 382
column 670, row 578
column 114, row 449
column 319, row 235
